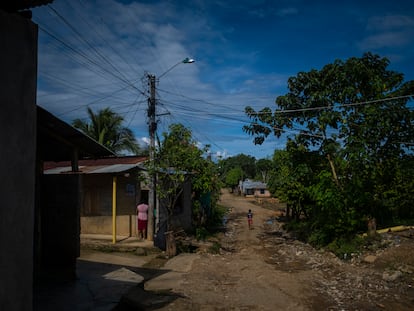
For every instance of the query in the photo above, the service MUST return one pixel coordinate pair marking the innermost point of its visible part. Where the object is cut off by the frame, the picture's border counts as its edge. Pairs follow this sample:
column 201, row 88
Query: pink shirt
column 142, row 211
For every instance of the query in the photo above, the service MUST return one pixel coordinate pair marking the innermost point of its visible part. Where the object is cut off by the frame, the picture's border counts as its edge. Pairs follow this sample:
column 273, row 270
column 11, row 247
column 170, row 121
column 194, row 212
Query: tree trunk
column 287, row 211
column 333, row 169
column 171, row 248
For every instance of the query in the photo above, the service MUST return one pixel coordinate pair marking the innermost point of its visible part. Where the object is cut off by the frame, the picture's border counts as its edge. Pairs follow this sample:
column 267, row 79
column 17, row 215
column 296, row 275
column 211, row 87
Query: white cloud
column 144, row 141
column 388, row 31
column 385, row 39
column 287, row 11
column 390, row 22
column 117, row 43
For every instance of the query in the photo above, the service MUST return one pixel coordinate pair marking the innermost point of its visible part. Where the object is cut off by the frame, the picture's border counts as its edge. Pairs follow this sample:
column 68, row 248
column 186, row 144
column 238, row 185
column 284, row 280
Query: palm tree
column 106, row 128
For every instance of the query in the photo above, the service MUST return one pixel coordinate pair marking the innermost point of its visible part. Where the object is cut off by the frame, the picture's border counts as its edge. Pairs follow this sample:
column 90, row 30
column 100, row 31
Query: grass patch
column 215, row 248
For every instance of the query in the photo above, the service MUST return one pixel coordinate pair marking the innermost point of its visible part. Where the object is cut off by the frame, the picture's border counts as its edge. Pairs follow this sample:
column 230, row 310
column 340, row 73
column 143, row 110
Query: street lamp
column 152, row 129
column 184, row 61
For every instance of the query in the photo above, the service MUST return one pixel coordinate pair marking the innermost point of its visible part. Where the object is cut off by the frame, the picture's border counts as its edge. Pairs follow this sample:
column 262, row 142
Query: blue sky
column 97, row 54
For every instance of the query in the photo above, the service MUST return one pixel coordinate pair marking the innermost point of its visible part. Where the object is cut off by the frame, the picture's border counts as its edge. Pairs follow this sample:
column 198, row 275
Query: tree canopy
column 179, row 156
column 355, row 116
column 105, row 127
column 245, row 165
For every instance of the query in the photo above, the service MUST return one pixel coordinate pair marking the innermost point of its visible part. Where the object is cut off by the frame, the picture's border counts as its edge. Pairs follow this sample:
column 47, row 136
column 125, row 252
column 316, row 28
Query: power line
column 295, row 110
column 83, row 55
column 345, row 105
column 109, row 43
column 83, row 39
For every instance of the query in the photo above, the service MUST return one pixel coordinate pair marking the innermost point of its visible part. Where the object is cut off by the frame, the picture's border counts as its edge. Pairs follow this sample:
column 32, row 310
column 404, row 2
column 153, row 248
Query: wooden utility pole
column 152, row 129
column 152, row 122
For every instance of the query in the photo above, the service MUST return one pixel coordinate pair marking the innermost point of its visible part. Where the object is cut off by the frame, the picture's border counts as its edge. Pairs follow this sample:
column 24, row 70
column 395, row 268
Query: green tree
column 233, row 177
column 263, row 167
column 354, row 114
column 245, row 162
column 295, row 171
column 105, row 127
column 179, row 158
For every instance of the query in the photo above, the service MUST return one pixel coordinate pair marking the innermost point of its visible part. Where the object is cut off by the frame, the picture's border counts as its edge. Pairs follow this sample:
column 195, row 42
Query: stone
column 124, row 275
column 391, row 276
column 406, row 269
column 370, row 259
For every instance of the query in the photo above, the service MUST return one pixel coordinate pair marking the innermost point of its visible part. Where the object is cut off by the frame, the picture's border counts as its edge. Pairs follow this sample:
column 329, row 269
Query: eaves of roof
column 13, row 6
column 57, row 140
column 98, row 166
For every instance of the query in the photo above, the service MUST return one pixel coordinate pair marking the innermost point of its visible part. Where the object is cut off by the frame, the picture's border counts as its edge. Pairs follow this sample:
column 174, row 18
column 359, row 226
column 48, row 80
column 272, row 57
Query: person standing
column 250, row 219
column 142, row 216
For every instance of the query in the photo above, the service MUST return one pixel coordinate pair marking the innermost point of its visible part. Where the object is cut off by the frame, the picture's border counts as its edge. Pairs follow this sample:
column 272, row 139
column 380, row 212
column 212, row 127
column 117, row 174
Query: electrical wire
column 107, row 43
column 93, row 48
column 106, row 67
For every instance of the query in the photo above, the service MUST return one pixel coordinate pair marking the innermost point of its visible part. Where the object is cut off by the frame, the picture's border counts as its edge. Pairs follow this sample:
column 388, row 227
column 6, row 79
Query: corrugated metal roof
column 250, row 184
column 98, row 166
column 116, row 168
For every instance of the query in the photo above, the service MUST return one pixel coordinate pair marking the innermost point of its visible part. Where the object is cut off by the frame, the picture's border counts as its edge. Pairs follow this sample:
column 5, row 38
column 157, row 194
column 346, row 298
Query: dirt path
column 239, row 278
column 265, row 269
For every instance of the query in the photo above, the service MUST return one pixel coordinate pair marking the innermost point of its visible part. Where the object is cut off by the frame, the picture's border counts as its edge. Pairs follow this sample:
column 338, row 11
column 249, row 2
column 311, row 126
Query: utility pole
column 152, row 123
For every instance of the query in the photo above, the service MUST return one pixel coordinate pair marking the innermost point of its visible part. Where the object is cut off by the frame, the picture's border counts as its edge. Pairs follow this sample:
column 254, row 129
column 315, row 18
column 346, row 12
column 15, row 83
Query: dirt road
column 265, row 269
column 239, row 278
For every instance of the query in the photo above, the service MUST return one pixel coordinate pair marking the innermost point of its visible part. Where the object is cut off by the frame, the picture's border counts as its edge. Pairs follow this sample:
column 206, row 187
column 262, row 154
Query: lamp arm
column 184, row 61
column 171, row 68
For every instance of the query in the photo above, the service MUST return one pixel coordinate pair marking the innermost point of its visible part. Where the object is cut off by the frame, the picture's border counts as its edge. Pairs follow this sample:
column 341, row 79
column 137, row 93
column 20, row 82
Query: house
column 99, row 178
column 56, row 228
column 257, row 189
column 129, row 176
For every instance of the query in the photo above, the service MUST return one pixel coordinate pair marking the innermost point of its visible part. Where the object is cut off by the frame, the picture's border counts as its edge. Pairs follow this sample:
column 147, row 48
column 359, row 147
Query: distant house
column 258, row 189
column 99, row 179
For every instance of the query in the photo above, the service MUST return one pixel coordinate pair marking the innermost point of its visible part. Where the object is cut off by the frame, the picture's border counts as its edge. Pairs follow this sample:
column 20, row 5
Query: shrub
column 344, row 247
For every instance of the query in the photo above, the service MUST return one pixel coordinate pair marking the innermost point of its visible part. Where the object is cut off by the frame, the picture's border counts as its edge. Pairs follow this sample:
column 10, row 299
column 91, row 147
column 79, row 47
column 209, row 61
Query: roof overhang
column 19, row 5
column 112, row 165
column 59, row 141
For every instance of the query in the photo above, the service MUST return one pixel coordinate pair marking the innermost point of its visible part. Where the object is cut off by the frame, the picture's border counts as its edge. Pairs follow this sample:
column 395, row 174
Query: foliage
column 263, row 167
column 201, row 233
column 215, row 248
column 242, row 167
column 178, row 159
column 344, row 248
column 351, row 156
column 106, row 128
column 245, row 162
column 233, row 177
column 213, row 223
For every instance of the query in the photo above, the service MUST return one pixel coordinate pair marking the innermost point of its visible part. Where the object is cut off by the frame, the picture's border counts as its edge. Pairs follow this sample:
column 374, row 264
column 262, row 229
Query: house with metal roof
column 58, row 198
column 257, row 189
column 110, row 190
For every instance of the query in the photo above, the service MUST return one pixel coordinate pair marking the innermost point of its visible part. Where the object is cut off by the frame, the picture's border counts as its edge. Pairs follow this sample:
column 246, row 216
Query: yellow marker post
column 114, row 209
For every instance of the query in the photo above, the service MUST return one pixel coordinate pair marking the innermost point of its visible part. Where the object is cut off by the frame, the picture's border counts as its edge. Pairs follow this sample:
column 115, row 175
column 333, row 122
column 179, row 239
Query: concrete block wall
column 126, row 225
column 18, row 63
